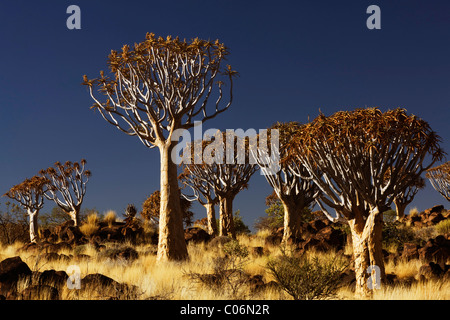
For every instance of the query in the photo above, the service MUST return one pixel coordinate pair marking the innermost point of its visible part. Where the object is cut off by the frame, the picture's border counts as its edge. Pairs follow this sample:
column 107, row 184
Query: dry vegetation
column 175, row 280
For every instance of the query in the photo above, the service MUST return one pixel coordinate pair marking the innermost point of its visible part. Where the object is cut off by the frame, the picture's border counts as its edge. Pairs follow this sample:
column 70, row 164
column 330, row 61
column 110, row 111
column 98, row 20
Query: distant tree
column 226, row 175
column 30, row 195
column 66, row 186
column 367, row 159
column 151, row 206
column 440, row 179
column 13, row 224
column 156, row 87
column 406, row 196
column 56, row 216
column 295, row 193
column 203, row 192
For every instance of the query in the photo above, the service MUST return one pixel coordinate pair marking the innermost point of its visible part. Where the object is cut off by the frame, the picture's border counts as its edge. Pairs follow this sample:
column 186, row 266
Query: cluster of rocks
column 18, row 282
column 319, row 234
column 435, row 249
column 128, row 230
column 427, row 218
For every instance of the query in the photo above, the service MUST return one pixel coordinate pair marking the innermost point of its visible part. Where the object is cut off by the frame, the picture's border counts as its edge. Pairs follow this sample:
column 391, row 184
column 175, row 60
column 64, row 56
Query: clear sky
column 293, row 57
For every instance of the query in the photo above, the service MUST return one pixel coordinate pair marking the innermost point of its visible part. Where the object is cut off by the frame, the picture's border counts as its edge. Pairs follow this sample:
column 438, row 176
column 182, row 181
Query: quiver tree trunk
column 226, row 216
column 292, row 219
column 75, row 216
column 400, row 210
column 211, row 218
column 34, row 228
column 171, row 244
column 367, row 252
column 360, row 257
column 375, row 242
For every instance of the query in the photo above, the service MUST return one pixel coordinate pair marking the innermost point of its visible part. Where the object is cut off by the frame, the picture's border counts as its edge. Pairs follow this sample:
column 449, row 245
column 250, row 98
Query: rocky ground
column 19, row 280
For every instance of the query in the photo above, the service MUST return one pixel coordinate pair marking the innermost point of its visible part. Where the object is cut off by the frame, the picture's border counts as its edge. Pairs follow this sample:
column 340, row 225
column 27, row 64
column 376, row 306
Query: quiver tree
column 440, row 179
column 295, row 193
column 156, row 87
column 224, row 166
column 203, row 192
column 406, row 196
column 367, row 158
column 30, row 195
column 66, row 186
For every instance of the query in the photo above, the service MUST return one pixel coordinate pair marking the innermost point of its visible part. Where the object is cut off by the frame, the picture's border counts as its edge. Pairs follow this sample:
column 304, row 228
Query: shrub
column 110, row 217
column 443, row 226
column 90, row 226
column 228, row 270
column 396, row 234
column 414, row 212
column 306, row 278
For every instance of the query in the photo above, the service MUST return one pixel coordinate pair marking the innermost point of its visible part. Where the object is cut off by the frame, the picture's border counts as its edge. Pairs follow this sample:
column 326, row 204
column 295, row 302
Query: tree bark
column 361, row 258
column 226, row 216
column 400, row 209
column 171, row 244
column 211, row 218
column 291, row 220
column 75, row 216
column 34, row 229
column 376, row 245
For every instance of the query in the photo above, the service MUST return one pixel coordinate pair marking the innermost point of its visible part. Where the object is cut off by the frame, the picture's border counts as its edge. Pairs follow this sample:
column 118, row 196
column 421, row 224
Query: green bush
column 306, row 278
column 443, row 226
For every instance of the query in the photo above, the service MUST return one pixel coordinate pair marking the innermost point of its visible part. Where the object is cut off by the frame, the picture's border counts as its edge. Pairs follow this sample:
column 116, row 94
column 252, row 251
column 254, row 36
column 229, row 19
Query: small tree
column 151, row 207
column 156, row 87
column 30, row 194
column 66, row 186
column 440, row 179
column 406, row 196
column 204, row 194
column 224, row 172
column 296, row 194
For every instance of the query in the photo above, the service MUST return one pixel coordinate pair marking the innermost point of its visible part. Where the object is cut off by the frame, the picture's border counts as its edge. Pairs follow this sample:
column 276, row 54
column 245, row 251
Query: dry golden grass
column 170, row 280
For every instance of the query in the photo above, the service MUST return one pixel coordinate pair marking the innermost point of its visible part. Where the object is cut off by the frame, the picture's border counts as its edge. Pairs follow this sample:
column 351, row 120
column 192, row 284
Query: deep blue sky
column 293, row 57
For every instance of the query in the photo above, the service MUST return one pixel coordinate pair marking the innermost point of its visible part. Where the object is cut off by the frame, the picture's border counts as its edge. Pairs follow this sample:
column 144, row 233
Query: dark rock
column 410, row 251
column 430, row 271
column 51, row 277
column 196, row 235
column 40, row 292
column 256, row 251
column 12, row 268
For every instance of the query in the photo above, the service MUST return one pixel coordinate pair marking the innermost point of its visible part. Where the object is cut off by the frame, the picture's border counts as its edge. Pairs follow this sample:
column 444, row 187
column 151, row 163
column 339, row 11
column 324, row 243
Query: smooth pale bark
column 375, row 245
column 75, row 216
column 226, row 216
column 211, row 218
column 171, row 244
column 400, row 209
column 34, row 229
column 292, row 212
column 367, row 251
column 361, row 258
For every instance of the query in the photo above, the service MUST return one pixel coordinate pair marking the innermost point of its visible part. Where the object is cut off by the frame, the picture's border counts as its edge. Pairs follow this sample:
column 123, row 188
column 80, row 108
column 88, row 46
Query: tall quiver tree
column 30, row 195
column 157, row 87
column 295, row 193
column 440, row 179
column 367, row 159
column 66, row 186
